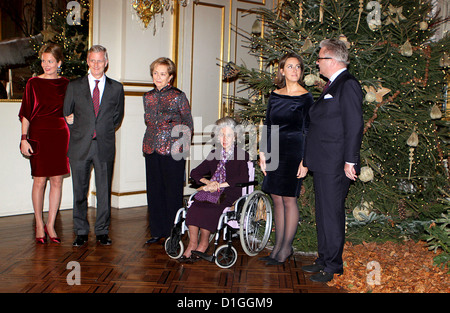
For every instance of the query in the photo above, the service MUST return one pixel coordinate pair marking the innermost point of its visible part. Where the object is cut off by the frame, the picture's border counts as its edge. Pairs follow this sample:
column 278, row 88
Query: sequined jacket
column 169, row 122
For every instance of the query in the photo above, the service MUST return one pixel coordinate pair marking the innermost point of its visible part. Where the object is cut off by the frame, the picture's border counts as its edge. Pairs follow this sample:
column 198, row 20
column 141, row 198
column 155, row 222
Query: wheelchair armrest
column 193, row 184
column 250, row 183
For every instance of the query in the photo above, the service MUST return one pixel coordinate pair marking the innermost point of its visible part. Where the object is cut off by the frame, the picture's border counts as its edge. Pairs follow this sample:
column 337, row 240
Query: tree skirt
column 391, row 268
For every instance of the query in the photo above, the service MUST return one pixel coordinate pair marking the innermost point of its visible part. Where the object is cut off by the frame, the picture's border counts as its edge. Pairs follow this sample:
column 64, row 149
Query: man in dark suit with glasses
column 332, row 154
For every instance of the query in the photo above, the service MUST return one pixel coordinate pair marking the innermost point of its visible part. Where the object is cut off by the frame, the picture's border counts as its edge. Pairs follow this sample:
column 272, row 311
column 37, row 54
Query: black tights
column 286, row 217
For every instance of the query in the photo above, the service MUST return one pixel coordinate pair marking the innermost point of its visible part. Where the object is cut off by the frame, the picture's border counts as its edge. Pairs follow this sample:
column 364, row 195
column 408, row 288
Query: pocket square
column 328, row 96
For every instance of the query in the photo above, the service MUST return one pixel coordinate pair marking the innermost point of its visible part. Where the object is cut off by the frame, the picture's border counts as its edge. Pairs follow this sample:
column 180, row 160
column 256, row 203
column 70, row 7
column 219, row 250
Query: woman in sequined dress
column 166, row 145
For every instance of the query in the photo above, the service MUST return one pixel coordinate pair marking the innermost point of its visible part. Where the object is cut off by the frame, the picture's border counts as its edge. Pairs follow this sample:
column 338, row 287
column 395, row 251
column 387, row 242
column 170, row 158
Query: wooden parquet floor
column 129, row 265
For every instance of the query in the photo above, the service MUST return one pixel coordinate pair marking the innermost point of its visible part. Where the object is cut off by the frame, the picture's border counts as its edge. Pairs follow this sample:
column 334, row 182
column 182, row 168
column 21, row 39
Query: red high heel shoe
column 41, row 240
column 52, row 239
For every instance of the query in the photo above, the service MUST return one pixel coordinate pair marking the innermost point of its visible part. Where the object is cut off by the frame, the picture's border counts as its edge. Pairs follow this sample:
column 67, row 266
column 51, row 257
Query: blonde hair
column 171, row 68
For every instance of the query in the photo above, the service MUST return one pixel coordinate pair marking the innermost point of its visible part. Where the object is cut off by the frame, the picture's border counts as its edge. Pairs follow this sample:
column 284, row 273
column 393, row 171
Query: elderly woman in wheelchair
column 227, row 167
column 213, row 208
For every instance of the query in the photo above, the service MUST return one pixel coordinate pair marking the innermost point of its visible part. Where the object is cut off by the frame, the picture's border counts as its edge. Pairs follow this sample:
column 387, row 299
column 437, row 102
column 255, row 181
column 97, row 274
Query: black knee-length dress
column 287, row 124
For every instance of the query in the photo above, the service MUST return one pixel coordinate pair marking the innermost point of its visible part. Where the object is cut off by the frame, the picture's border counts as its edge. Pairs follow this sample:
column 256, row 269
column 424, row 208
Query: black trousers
column 330, row 193
column 81, row 174
column 165, row 182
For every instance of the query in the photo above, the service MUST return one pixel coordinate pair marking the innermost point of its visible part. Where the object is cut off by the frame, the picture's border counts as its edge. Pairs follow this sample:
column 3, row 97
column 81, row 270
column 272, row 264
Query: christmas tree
column 404, row 181
column 69, row 29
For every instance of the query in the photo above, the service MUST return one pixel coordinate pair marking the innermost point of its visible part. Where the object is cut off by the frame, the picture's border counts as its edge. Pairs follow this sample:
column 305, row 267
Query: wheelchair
column 250, row 219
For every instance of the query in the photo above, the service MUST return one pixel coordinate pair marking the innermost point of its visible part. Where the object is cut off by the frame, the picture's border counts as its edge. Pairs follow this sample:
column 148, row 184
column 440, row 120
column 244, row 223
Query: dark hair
column 280, row 80
column 171, row 68
column 54, row 49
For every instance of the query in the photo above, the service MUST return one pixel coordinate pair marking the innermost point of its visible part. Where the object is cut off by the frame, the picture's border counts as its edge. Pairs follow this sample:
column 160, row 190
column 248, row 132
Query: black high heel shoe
column 276, row 262
column 266, row 258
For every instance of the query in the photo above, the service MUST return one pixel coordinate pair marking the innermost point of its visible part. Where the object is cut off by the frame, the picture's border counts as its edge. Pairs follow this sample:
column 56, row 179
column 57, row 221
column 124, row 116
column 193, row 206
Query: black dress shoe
column 323, row 277
column 80, row 240
column 313, row 268
column 104, row 240
column 153, row 240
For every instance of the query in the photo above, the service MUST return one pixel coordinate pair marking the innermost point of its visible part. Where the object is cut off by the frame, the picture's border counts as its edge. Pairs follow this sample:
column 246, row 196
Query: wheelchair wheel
column 226, row 256
column 255, row 223
column 173, row 249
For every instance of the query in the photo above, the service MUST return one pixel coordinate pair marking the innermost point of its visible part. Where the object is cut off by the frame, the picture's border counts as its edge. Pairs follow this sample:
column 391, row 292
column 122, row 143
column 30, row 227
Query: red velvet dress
column 42, row 106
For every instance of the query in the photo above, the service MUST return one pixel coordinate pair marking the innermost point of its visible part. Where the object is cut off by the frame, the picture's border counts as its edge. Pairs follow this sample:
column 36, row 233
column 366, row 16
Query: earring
column 59, row 70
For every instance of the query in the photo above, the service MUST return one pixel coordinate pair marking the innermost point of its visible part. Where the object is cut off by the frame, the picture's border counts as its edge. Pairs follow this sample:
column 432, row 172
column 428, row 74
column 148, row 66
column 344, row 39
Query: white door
column 208, row 39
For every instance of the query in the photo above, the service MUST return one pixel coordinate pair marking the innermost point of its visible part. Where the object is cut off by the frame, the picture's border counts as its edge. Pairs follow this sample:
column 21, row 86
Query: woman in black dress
column 227, row 166
column 287, row 125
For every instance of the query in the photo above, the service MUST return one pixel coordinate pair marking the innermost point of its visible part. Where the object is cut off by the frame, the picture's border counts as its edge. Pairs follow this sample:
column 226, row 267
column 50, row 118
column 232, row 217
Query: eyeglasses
column 325, row 58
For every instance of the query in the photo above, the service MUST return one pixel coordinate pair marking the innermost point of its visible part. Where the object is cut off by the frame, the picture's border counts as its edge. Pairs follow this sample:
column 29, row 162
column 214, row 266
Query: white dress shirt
column 101, row 84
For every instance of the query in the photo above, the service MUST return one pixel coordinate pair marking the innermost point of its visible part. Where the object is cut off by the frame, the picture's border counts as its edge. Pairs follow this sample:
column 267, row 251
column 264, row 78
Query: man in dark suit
column 94, row 107
column 332, row 154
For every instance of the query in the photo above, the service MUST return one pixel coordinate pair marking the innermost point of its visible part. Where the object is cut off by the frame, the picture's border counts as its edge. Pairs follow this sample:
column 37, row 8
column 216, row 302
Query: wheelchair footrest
column 204, row 256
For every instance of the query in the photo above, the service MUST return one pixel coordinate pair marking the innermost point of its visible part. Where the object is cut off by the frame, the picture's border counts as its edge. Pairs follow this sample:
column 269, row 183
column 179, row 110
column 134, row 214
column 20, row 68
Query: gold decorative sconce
column 147, row 9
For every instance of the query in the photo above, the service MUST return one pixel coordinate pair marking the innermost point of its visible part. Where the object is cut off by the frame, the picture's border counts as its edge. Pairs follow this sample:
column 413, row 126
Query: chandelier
column 147, row 9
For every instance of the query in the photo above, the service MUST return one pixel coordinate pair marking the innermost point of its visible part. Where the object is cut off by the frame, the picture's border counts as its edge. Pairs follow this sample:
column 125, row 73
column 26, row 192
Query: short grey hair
column 225, row 122
column 336, row 48
column 98, row 48
column 222, row 123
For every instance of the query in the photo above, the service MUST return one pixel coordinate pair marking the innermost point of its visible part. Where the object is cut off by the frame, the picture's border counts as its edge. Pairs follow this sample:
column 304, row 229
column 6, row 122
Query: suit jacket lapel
column 86, row 93
column 105, row 94
column 333, row 85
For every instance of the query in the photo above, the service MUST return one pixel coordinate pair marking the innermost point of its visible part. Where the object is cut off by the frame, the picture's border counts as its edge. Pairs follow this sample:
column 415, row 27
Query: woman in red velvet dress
column 41, row 115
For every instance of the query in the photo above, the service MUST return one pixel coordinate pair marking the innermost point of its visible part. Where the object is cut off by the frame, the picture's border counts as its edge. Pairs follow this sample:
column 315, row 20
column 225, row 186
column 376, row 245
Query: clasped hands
column 210, row 185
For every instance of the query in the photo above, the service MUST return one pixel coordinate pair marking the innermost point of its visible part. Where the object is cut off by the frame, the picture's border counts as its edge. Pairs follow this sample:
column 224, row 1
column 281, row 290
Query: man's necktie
column 326, row 86
column 96, row 100
column 96, row 97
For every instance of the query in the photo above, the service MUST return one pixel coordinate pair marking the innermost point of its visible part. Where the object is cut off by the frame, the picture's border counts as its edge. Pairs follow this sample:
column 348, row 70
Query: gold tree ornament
column 49, row 34
column 406, row 49
column 311, row 79
column 394, row 15
column 413, row 139
column 307, row 45
column 360, row 10
column 444, row 61
column 366, row 174
column 361, row 212
column 344, row 39
column 376, row 94
column 435, row 113
column 412, row 142
column 256, row 28
column 321, row 9
column 423, row 25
